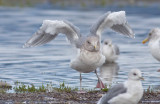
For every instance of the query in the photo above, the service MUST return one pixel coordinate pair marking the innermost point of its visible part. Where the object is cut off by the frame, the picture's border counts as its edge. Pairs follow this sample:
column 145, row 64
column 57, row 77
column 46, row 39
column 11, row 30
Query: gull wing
column 114, row 20
column 50, row 29
column 116, row 49
column 114, row 91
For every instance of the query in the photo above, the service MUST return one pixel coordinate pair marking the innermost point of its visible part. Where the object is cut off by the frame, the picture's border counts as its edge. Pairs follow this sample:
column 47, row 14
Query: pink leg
column 99, row 83
column 158, row 70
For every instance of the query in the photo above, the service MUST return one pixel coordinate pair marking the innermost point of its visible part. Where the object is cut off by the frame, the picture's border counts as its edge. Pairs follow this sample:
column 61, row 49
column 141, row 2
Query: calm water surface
column 50, row 62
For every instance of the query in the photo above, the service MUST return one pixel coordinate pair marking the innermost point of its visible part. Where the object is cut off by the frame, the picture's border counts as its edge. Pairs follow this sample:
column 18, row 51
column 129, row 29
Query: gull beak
column 145, row 40
column 95, row 46
column 141, row 78
column 110, row 45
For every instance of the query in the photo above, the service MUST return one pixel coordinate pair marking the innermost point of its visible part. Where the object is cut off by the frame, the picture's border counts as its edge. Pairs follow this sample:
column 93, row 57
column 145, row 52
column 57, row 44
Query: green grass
column 63, row 88
column 66, row 3
column 150, row 90
column 4, row 87
column 22, row 88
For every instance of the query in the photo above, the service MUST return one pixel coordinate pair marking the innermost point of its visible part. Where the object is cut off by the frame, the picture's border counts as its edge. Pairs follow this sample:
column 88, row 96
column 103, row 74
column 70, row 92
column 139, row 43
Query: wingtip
column 26, row 46
column 132, row 36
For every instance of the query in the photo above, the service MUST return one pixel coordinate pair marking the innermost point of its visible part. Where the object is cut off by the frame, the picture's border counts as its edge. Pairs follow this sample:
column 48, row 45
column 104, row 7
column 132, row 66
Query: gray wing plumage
column 114, row 91
column 96, row 26
column 116, row 49
column 50, row 29
column 114, row 20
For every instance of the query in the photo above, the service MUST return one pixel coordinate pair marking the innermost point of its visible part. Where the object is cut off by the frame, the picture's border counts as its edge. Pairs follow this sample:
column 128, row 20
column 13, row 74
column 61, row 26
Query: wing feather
column 116, row 49
column 114, row 20
column 50, row 29
column 114, row 91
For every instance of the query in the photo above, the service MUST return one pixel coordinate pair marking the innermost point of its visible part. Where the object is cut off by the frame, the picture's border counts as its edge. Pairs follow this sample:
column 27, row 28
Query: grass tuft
column 150, row 90
column 64, row 88
column 22, row 88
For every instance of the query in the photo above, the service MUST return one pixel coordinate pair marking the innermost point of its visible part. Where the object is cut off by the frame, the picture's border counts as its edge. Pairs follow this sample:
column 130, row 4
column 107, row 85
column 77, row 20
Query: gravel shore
column 66, row 98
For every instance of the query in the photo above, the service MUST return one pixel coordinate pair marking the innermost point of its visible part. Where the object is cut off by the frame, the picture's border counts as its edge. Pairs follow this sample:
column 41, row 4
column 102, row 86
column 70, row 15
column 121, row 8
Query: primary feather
column 50, row 29
column 114, row 20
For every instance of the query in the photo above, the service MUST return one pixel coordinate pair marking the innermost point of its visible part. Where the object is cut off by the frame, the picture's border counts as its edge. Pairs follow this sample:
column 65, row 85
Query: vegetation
column 22, row 88
column 64, row 88
column 4, row 87
column 65, row 3
column 105, row 89
column 149, row 90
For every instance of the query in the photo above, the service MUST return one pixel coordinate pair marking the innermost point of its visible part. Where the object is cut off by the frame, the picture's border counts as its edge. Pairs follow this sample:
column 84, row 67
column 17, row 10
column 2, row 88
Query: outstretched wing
column 114, row 20
column 50, row 29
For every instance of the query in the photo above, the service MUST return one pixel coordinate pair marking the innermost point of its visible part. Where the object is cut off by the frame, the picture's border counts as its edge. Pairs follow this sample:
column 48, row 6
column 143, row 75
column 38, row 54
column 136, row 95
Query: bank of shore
column 66, row 98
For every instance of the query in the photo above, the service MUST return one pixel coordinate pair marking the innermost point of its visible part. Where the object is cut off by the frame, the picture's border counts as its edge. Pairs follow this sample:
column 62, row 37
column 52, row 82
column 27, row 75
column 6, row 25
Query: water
column 50, row 62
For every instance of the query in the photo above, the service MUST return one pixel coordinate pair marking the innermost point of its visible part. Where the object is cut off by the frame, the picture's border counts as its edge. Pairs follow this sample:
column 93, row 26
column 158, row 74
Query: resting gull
column 129, row 92
column 89, row 57
column 110, row 51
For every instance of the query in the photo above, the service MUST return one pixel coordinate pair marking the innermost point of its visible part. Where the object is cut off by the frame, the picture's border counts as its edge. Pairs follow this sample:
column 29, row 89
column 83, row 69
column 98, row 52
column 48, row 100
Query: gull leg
column 81, row 91
column 100, row 83
column 80, row 82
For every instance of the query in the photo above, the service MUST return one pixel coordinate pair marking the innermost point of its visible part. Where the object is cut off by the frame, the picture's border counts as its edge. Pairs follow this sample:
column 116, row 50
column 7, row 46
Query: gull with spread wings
column 90, row 56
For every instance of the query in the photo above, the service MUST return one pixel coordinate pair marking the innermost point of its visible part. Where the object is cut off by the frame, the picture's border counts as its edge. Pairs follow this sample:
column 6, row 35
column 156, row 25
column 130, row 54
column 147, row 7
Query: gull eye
column 134, row 74
column 88, row 42
column 150, row 34
column 106, row 43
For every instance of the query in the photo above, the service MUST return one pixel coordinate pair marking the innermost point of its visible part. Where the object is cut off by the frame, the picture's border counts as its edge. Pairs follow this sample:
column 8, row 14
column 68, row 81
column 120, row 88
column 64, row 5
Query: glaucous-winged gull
column 89, row 57
column 110, row 51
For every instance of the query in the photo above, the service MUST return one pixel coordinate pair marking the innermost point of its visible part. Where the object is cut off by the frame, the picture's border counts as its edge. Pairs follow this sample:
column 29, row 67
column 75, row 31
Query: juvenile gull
column 129, row 92
column 89, row 57
column 154, row 42
column 110, row 51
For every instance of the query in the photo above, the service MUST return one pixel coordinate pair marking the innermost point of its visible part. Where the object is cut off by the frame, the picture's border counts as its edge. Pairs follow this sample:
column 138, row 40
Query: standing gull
column 154, row 42
column 129, row 92
column 90, row 56
column 110, row 51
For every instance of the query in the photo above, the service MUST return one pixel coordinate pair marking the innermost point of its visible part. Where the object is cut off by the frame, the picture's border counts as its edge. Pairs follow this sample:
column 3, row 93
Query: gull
column 154, row 42
column 89, row 56
column 110, row 51
column 129, row 92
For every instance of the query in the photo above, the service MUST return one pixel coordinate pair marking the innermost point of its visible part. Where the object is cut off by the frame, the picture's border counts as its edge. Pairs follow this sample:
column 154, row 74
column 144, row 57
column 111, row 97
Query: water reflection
column 108, row 71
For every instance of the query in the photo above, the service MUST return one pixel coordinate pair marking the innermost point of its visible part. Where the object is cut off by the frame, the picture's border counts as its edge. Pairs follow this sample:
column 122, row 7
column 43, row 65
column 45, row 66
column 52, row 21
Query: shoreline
column 66, row 98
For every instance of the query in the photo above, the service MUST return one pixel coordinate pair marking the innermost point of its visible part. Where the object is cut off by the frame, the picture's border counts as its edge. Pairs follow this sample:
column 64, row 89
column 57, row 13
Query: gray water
column 50, row 62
